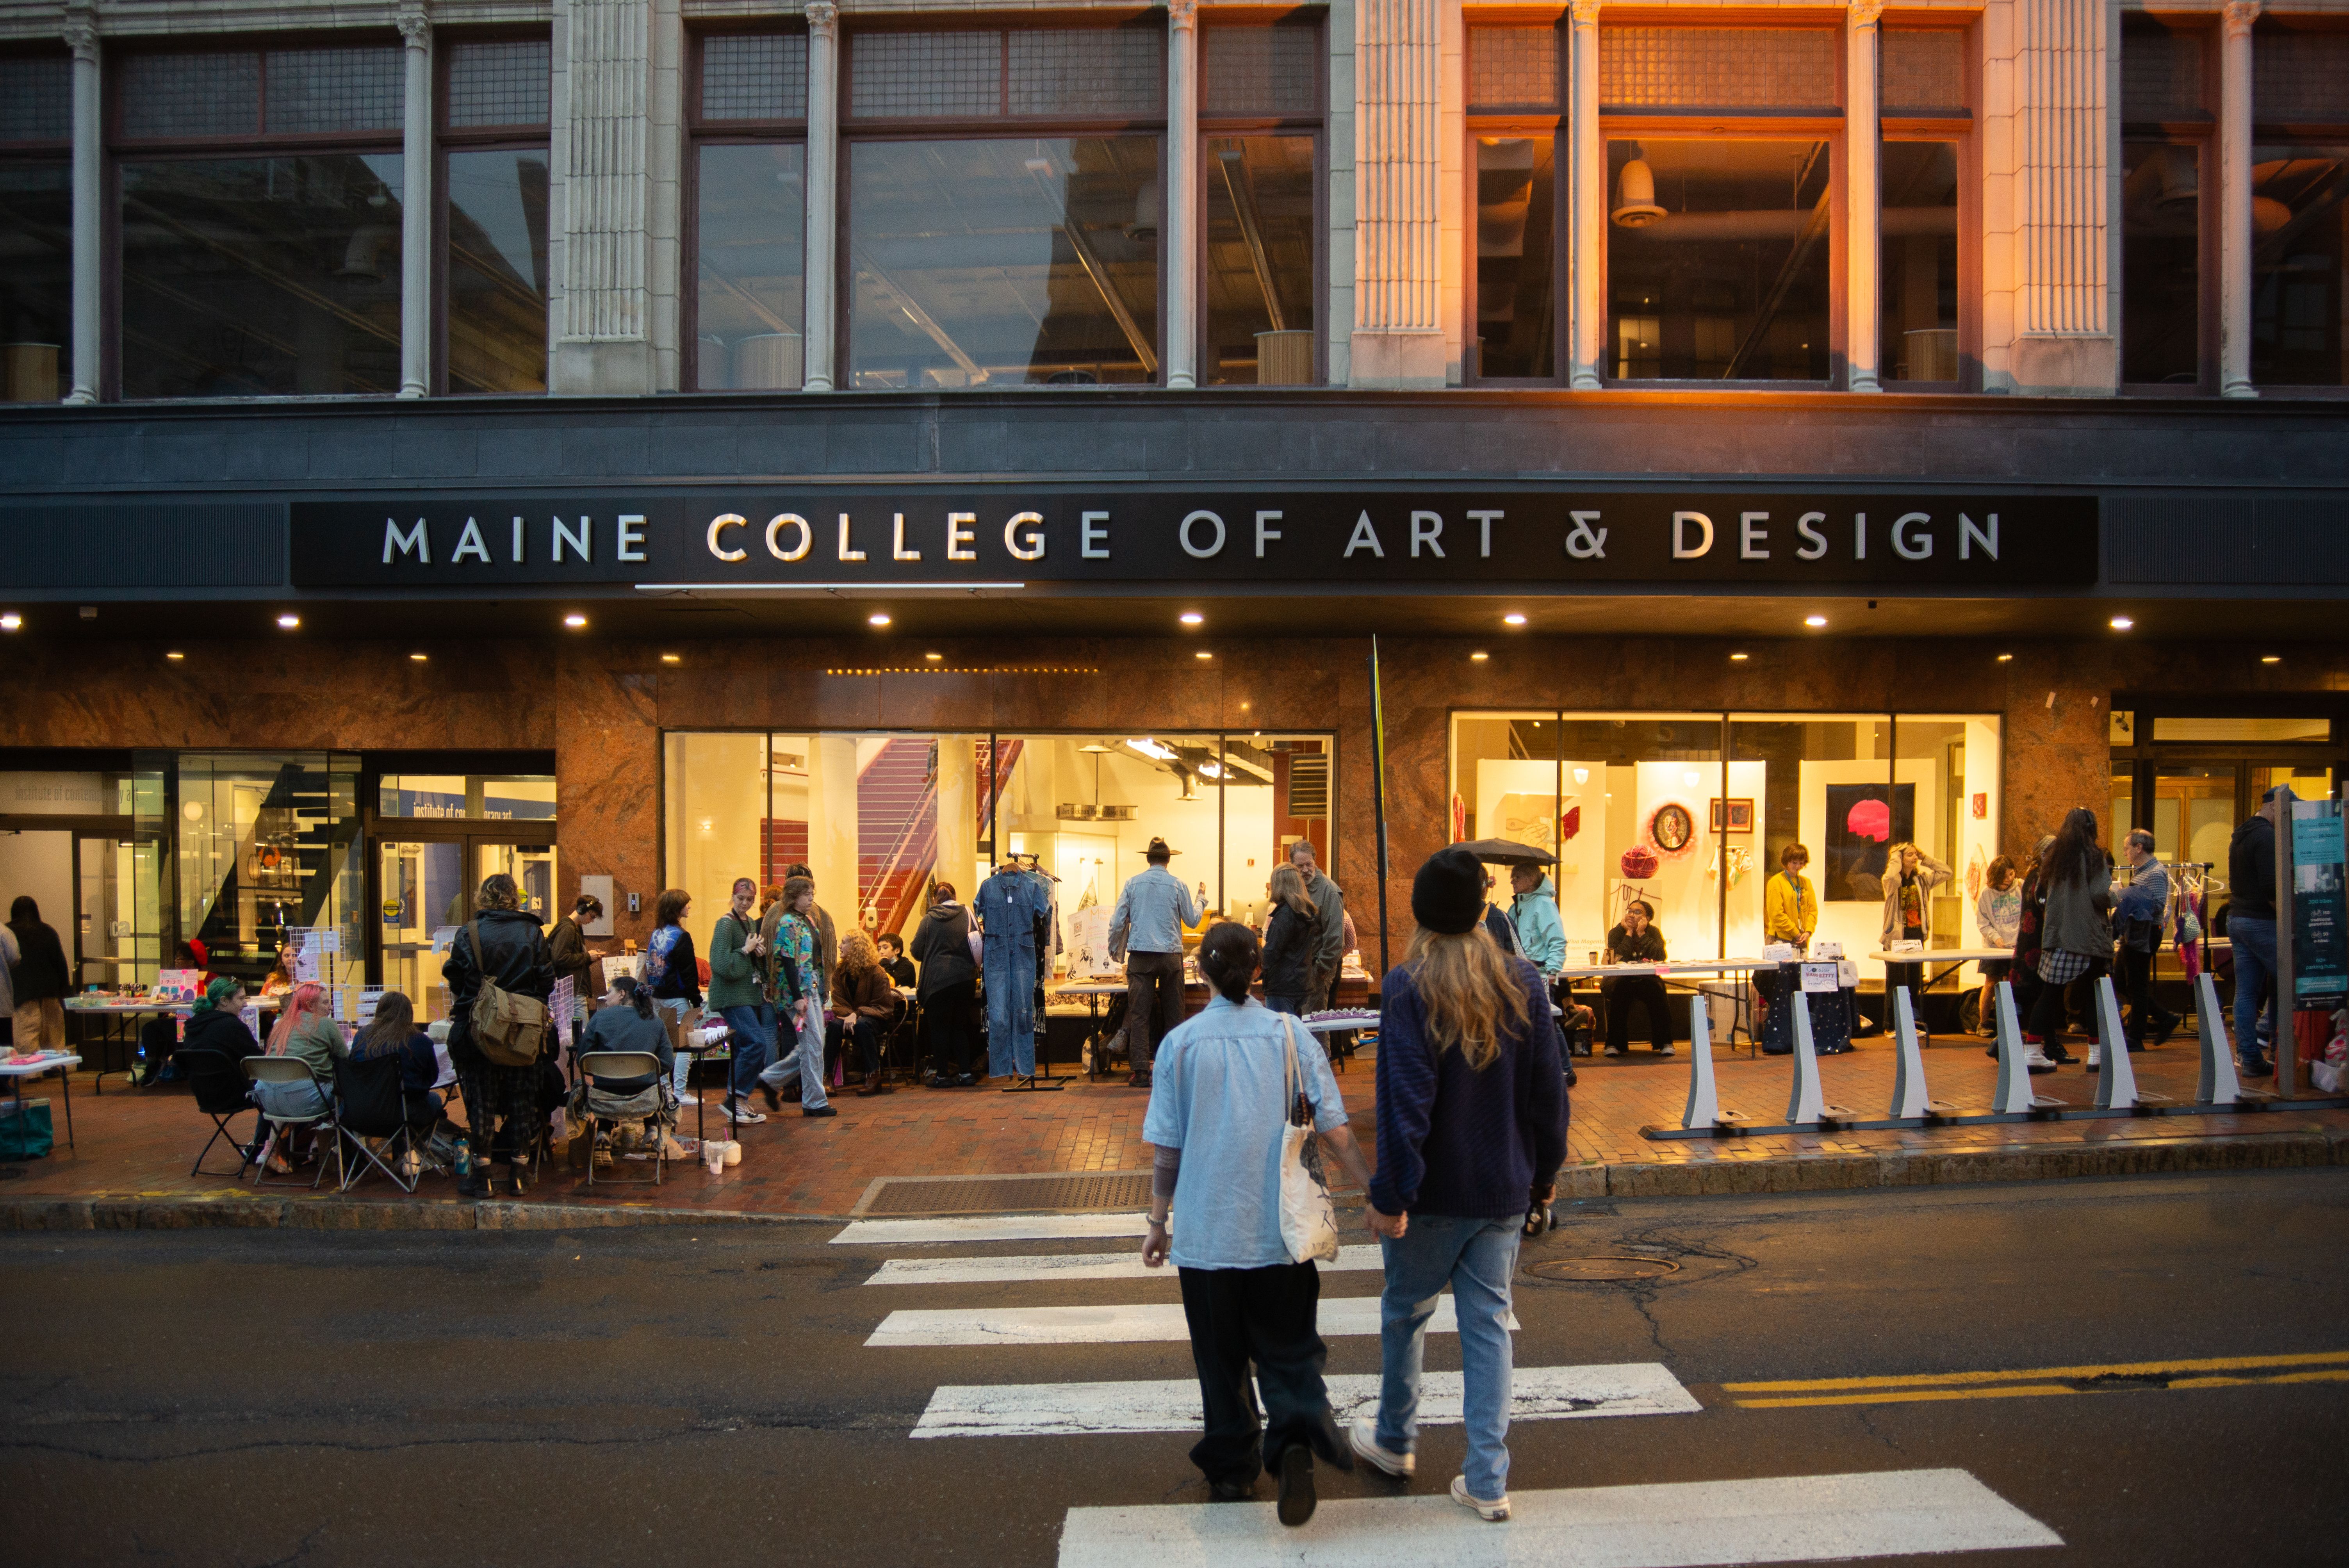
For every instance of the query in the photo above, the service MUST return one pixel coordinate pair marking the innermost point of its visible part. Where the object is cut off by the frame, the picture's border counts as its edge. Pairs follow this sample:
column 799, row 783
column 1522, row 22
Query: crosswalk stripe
column 991, row 1228
column 1790, row 1519
column 1055, row 1266
column 1124, row 1323
column 1082, row 1409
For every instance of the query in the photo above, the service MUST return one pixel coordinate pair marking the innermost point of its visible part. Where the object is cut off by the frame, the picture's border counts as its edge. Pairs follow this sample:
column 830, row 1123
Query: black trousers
column 945, row 1026
column 1266, row 1316
column 2133, row 970
column 1153, row 1003
column 1649, row 992
column 863, row 1034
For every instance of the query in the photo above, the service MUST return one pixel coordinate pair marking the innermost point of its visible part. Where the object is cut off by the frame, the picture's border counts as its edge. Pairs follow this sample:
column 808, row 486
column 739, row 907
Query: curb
column 2303, row 1150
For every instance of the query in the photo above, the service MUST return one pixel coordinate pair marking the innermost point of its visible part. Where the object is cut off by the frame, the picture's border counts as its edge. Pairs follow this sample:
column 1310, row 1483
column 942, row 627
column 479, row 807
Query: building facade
column 636, row 443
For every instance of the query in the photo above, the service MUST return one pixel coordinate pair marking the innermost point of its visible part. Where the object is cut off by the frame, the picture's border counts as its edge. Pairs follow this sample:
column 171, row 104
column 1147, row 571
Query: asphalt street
column 2148, row 1371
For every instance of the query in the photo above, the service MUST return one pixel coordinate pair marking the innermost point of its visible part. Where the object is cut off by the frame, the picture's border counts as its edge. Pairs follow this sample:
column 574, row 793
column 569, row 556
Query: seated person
column 628, row 1022
column 216, row 1023
column 159, row 1036
column 893, row 962
column 1637, row 941
column 394, row 1032
column 865, row 1003
column 279, row 982
column 305, row 1029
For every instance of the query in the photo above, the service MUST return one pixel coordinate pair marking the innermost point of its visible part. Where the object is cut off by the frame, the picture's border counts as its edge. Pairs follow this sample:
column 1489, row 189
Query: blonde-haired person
column 1472, row 1114
column 1288, row 938
column 865, row 1003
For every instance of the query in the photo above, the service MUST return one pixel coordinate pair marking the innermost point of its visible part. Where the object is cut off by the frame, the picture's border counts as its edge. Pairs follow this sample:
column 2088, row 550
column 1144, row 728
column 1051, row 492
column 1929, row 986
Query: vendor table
column 119, row 1010
column 1742, row 1014
column 18, row 1069
column 1093, row 991
column 1906, row 969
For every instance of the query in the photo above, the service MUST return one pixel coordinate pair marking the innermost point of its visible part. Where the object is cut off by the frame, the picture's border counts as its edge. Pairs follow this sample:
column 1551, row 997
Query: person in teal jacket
column 1540, row 934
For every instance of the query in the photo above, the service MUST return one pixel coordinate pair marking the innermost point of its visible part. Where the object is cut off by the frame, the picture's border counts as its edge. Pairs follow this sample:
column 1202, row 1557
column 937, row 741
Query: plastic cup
column 715, row 1154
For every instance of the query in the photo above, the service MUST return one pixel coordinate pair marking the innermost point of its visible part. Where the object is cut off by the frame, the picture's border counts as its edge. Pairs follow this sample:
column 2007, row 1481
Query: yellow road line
column 2026, row 1390
column 2119, row 1370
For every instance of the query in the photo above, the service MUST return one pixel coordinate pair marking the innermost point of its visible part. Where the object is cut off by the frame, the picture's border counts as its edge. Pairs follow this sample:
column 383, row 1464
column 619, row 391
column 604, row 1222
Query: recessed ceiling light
column 1191, row 618
column 879, row 618
column 418, row 658
column 575, row 621
column 1202, row 654
column 11, row 622
column 1513, row 618
column 288, row 622
column 934, row 658
column 175, row 657
column 2270, row 658
column 2006, row 658
column 1814, row 622
column 2120, row 623
column 1480, row 656
column 671, row 659
column 1737, row 659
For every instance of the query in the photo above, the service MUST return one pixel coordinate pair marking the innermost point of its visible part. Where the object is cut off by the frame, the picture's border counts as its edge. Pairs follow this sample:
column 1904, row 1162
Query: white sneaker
column 1491, row 1512
column 2036, row 1060
column 2096, row 1059
column 1365, row 1437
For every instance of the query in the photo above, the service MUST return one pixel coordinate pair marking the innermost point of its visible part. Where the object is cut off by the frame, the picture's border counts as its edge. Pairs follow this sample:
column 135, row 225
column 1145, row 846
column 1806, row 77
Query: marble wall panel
column 608, row 784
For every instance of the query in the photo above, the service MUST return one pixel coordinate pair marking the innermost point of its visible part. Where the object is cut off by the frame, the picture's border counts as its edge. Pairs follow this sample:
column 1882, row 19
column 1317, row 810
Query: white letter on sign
column 897, row 551
column 1365, row 538
column 1264, row 534
column 775, row 526
column 1193, row 550
column 1028, row 546
column 1090, row 536
column 845, row 553
column 1680, row 519
column 1969, row 536
column 1814, row 542
column 1920, row 549
column 1753, row 543
column 470, row 542
column 723, row 520
column 414, row 539
column 631, row 539
column 1427, row 528
column 959, row 539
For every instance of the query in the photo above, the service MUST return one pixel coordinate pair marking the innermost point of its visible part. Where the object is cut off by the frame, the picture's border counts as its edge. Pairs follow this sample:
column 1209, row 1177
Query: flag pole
column 1379, row 794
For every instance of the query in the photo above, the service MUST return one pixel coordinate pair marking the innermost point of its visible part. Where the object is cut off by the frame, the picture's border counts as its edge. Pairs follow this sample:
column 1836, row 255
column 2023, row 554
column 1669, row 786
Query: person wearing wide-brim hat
column 1146, row 930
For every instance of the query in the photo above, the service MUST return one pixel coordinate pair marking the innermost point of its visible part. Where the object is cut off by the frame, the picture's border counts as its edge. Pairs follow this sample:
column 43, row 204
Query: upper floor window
column 976, row 256
column 2169, row 155
column 1516, row 106
column 749, row 175
column 35, row 226
column 1260, row 116
column 495, row 104
column 1927, row 337
column 2299, row 206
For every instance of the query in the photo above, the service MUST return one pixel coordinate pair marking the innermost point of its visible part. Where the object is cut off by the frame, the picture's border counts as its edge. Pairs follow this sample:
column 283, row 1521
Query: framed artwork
column 1673, row 828
column 1737, row 818
column 1864, row 821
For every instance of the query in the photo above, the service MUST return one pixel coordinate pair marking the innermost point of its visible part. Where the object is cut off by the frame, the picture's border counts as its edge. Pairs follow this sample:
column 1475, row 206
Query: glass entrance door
column 532, row 866
column 420, row 892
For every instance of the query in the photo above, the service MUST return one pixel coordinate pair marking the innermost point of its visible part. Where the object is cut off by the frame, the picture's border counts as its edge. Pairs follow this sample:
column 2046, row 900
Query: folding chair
column 601, row 1106
column 371, row 1100
column 265, row 1071
column 221, row 1093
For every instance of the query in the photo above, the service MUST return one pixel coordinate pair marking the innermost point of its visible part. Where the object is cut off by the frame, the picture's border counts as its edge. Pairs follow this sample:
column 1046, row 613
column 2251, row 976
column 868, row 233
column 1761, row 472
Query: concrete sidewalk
column 131, row 1168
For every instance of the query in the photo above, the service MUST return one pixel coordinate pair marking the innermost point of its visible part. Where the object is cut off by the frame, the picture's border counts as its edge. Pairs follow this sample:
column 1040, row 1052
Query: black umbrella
column 1507, row 853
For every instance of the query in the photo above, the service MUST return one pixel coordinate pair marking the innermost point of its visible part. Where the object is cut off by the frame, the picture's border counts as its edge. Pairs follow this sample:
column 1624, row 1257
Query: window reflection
column 1032, row 260
column 261, row 276
column 751, row 256
column 2161, row 257
column 497, row 271
column 1919, row 228
column 36, row 279
column 1517, row 316
column 1260, row 238
column 1718, row 257
column 2300, row 262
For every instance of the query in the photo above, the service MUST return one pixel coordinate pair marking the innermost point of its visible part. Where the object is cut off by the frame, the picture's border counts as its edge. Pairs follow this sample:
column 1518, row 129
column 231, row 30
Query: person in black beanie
column 1472, row 1113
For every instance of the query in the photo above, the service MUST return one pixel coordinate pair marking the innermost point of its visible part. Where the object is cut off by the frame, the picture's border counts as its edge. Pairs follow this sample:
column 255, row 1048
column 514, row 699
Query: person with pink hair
column 306, row 1028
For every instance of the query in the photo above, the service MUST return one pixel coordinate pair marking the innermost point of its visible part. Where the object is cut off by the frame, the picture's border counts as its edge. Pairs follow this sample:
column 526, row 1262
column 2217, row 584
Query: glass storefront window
column 2300, row 265
column 1718, row 258
column 497, row 277
column 1260, row 254
column 35, row 280
column 2161, row 263
column 254, row 276
column 526, row 797
column 1004, row 261
column 1920, row 279
column 98, row 874
column 1951, row 762
column 1517, row 248
column 2165, row 729
column 751, row 253
column 268, row 845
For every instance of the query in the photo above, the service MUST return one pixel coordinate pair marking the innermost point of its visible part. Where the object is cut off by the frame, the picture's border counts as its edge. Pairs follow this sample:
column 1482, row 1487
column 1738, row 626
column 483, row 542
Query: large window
column 495, row 105
column 750, row 249
column 1260, row 113
column 259, row 221
column 1651, row 806
column 35, row 227
column 1923, row 341
column 269, row 850
column 1517, row 102
column 2168, row 339
column 2299, row 208
column 978, row 258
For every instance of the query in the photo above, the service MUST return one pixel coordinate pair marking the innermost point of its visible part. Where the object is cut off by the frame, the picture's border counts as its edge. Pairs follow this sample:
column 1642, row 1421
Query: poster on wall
column 2320, row 918
column 1864, row 821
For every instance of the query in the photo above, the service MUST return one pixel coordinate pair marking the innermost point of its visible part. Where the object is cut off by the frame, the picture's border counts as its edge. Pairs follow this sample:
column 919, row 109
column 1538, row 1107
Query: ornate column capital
column 823, row 18
column 2240, row 14
column 1867, row 13
column 1183, row 15
column 415, row 26
column 1584, row 13
column 80, row 33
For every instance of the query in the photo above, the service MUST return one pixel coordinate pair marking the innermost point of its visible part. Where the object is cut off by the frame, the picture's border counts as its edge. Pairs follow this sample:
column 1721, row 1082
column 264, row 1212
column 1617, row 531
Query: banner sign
column 1000, row 535
column 2320, row 907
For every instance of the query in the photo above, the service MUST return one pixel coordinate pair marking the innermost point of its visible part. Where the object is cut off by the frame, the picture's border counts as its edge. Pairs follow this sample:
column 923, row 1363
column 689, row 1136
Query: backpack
column 508, row 1029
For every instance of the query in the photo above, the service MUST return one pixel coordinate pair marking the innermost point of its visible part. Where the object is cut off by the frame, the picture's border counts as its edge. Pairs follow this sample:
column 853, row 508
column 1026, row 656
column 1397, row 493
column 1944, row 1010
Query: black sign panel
column 1398, row 537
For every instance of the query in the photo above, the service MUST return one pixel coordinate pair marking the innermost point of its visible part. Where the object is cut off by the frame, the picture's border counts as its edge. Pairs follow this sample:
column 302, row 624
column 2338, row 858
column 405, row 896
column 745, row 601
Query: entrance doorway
column 422, row 881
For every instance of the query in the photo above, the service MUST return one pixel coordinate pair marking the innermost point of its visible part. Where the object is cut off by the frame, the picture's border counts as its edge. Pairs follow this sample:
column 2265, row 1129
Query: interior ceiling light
column 1210, row 771
column 1737, row 659
column 672, row 659
column 1814, row 622
column 1635, row 196
column 1152, row 749
column 175, row 657
column 2006, row 658
column 1202, row 654
column 575, row 621
column 287, row 622
column 1689, row 778
column 2121, row 623
column 1513, row 618
column 418, row 658
column 1582, row 776
column 1192, row 618
column 2270, row 658
column 879, row 618
column 1480, row 656
column 934, row 658
column 11, row 622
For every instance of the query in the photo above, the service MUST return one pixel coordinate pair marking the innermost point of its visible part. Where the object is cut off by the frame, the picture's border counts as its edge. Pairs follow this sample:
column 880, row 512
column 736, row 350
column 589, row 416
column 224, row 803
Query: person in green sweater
column 738, row 994
column 306, row 1028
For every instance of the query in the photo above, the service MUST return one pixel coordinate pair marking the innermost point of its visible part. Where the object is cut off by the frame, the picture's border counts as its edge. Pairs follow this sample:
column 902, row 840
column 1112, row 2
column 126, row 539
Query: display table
column 1093, row 991
column 121, row 1010
column 18, row 1069
column 1905, row 969
column 1684, row 971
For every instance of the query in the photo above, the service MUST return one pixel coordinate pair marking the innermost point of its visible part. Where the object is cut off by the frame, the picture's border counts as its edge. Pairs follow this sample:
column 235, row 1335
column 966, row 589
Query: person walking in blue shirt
column 1146, row 930
column 1541, row 936
column 1010, row 905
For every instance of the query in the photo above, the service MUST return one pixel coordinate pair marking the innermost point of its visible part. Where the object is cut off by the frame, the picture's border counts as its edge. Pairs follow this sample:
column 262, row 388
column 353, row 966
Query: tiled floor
column 140, row 1142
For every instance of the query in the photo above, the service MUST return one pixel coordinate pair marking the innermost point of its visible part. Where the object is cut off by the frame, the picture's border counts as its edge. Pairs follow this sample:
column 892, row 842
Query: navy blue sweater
column 1456, row 1142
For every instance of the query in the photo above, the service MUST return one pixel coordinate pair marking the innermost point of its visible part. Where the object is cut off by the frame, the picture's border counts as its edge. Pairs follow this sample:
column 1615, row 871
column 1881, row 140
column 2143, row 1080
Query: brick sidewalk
column 136, row 1145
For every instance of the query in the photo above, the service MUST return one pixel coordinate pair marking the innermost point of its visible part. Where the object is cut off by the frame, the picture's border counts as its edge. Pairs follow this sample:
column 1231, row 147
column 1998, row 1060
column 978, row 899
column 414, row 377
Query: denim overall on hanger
column 1008, row 904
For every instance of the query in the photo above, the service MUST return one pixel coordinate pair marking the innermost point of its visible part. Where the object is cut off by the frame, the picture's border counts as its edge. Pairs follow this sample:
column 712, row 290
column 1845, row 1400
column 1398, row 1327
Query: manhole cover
column 1605, row 1268
column 1011, row 1196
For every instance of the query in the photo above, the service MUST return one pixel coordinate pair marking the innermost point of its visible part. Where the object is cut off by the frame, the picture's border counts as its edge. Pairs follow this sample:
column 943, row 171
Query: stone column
column 603, row 344
column 823, row 189
column 1585, row 184
column 2047, row 146
column 1398, row 341
column 88, row 195
column 2235, row 281
column 1181, row 350
column 958, row 805
column 415, row 206
column 831, row 826
column 1863, row 199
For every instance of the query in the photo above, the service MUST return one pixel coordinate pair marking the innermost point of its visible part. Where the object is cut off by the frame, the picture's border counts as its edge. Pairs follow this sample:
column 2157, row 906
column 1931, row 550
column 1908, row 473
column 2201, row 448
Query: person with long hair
column 514, row 953
column 1289, row 939
column 738, row 967
column 865, row 1003
column 1471, row 1108
column 1219, row 1107
column 305, row 1029
column 1910, row 875
column 1998, row 915
column 672, row 970
column 2076, row 937
column 627, row 1021
column 799, row 1002
column 947, row 992
column 39, row 978
column 394, row 1032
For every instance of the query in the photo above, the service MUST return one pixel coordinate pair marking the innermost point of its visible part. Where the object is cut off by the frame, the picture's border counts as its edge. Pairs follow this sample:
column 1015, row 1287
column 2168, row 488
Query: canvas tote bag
column 1308, row 1223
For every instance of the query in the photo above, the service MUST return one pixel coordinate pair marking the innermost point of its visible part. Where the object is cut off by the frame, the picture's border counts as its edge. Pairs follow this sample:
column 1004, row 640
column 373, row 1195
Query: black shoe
column 774, row 1100
column 1231, row 1492
column 1296, row 1492
column 966, row 1080
column 819, row 1110
column 941, row 1080
column 475, row 1185
column 2258, row 1067
column 2162, row 1031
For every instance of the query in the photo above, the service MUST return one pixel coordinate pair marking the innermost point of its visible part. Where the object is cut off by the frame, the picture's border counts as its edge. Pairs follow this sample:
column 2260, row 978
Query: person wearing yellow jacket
column 1790, row 913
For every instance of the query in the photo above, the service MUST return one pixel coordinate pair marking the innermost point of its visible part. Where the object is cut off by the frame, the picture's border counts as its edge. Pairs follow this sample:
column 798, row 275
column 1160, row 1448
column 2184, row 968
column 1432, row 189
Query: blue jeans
column 2255, row 977
column 754, row 1038
column 1477, row 1258
column 1294, row 1006
column 682, row 1071
column 1011, row 1007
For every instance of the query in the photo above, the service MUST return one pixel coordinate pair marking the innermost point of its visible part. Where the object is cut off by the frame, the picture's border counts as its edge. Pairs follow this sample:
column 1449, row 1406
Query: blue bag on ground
column 25, row 1136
